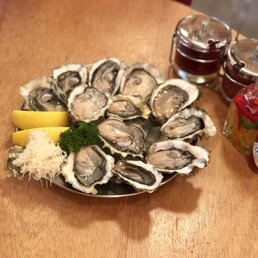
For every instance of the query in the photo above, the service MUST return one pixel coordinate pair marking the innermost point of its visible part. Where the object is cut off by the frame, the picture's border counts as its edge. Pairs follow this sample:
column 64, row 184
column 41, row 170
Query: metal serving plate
column 109, row 190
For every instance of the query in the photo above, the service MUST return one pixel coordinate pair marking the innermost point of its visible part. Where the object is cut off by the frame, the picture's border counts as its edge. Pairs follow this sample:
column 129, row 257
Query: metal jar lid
column 243, row 56
column 203, row 33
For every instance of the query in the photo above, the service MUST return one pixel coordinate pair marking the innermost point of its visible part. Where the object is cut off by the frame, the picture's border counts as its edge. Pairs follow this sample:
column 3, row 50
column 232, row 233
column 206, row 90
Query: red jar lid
column 247, row 102
column 242, row 56
column 203, row 33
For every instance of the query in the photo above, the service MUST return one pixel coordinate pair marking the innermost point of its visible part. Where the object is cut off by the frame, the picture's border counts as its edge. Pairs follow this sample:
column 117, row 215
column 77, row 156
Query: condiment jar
column 255, row 154
column 253, row 158
column 241, row 124
column 200, row 43
column 241, row 67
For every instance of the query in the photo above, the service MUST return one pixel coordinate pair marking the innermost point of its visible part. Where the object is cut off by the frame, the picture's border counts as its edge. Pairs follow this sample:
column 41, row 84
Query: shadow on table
column 133, row 214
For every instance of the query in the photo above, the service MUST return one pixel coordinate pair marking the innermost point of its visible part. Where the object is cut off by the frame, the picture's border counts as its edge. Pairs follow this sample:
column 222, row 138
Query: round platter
column 146, row 122
column 109, row 190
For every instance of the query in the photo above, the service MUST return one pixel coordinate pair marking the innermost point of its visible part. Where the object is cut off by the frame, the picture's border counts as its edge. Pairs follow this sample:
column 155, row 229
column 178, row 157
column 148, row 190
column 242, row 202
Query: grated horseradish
column 41, row 158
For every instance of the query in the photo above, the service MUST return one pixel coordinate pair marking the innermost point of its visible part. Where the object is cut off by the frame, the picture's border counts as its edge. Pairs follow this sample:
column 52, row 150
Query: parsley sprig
column 76, row 137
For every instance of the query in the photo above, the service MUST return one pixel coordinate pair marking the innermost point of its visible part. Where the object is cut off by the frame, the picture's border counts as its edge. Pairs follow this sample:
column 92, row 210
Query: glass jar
column 255, row 153
column 253, row 158
column 241, row 67
column 241, row 124
column 200, row 43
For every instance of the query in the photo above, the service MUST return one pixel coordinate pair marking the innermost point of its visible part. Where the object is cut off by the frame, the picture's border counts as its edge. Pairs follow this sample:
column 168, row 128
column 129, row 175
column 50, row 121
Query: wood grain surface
column 212, row 213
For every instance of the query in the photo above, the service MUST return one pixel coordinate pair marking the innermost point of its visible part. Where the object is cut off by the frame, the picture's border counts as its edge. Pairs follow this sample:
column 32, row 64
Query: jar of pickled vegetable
column 200, row 43
column 241, row 125
column 241, row 67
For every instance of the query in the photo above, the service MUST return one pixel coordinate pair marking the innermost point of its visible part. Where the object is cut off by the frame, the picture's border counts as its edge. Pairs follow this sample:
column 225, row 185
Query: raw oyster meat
column 140, row 79
column 105, row 75
column 177, row 156
column 88, row 168
column 172, row 96
column 87, row 104
column 122, row 138
column 39, row 96
column 189, row 123
column 67, row 78
column 128, row 107
column 140, row 175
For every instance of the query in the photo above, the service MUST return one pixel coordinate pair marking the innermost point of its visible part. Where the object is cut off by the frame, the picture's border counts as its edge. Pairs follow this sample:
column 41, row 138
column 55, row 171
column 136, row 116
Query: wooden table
column 213, row 213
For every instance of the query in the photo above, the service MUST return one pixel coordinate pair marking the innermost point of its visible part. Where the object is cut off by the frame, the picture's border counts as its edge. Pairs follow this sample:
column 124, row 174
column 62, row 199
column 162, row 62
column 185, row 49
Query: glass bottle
column 253, row 158
column 241, row 124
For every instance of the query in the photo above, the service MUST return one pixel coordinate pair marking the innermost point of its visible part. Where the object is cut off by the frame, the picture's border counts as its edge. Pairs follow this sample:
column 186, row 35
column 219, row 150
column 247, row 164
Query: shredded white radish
column 41, row 159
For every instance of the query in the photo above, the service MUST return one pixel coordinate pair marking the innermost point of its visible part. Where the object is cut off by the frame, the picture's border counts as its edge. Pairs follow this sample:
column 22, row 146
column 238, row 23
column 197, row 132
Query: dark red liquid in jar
column 241, row 67
column 196, row 62
column 232, row 83
column 199, row 44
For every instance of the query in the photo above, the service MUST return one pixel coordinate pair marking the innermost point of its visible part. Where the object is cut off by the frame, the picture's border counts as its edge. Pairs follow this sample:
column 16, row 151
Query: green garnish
column 76, row 137
column 247, row 124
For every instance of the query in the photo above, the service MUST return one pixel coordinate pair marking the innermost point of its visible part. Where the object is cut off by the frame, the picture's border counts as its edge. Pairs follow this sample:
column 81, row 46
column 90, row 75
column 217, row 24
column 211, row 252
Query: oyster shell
column 88, row 168
column 39, row 96
column 189, row 123
column 122, row 138
column 128, row 107
column 67, row 78
column 177, row 156
column 140, row 175
column 13, row 154
column 87, row 104
column 140, row 79
column 172, row 96
column 105, row 75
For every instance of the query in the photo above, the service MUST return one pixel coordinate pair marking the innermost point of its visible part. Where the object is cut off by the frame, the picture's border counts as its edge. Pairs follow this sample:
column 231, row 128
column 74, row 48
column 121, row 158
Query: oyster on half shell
column 122, row 138
column 177, row 156
column 87, row 104
column 128, row 107
column 172, row 96
column 40, row 96
column 67, row 78
column 140, row 79
column 105, row 75
column 88, row 168
column 140, row 175
column 13, row 154
column 189, row 123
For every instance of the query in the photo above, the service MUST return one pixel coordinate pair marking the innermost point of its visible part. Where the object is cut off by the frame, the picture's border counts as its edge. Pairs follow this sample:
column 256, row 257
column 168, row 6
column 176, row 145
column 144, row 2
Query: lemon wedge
column 34, row 119
column 21, row 137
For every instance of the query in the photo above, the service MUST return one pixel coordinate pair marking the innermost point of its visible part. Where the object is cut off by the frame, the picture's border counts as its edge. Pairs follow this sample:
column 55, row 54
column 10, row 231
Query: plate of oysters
column 149, row 128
